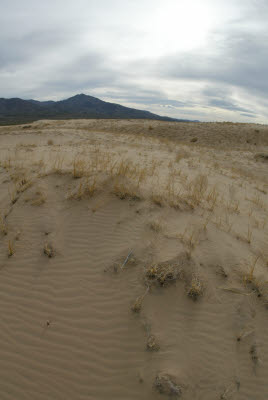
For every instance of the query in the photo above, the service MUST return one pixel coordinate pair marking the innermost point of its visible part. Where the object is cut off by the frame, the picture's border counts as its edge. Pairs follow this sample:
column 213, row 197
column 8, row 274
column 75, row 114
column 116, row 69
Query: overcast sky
column 195, row 59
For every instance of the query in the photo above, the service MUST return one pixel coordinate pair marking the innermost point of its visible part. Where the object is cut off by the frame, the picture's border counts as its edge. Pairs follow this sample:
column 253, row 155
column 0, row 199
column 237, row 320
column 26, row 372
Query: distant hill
column 14, row 111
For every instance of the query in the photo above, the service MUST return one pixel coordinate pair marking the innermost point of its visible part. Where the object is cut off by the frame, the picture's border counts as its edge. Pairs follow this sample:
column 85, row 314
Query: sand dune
column 133, row 260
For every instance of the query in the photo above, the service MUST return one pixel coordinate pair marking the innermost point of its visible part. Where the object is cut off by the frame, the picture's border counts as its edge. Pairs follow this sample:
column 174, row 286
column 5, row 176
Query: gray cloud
column 24, row 48
column 248, row 115
column 147, row 97
column 234, row 58
column 226, row 105
column 221, row 97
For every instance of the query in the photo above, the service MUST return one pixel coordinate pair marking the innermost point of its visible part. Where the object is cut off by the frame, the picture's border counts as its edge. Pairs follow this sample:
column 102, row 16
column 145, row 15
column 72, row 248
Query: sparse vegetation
column 79, row 168
column 126, row 191
column 85, row 189
column 155, row 226
column 152, row 343
column 195, row 200
column 163, row 273
column 157, row 200
column 137, row 305
column 195, row 289
column 165, row 384
column 250, row 279
column 49, row 251
column 13, row 195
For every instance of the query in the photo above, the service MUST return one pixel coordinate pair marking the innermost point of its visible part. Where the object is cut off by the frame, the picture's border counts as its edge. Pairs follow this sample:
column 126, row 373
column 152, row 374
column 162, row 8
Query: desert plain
column 133, row 260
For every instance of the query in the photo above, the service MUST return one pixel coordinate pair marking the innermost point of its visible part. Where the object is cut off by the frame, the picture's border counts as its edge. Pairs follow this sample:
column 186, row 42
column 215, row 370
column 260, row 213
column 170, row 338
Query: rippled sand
column 131, row 250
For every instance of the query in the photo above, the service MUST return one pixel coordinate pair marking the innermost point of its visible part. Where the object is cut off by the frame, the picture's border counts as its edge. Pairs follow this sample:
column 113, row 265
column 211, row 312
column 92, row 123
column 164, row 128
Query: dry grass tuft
column 212, row 198
column 152, row 344
column 24, row 184
column 195, row 289
column 163, row 273
column 157, row 200
column 136, row 307
column 79, row 168
column 126, row 191
column 48, row 250
column 197, row 188
column 165, row 384
column 252, row 282
column 85, row 189
column 249, row 277
column 155, row 226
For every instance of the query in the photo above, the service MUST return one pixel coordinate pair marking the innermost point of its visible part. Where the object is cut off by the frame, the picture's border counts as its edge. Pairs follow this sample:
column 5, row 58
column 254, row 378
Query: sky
column 193, row 59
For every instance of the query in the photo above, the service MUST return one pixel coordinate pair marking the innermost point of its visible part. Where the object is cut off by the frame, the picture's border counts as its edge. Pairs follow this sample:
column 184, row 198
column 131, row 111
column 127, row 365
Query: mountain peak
column 81, row 96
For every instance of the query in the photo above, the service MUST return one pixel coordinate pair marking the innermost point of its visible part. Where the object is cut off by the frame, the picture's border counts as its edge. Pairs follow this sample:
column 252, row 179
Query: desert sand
column 133, row 260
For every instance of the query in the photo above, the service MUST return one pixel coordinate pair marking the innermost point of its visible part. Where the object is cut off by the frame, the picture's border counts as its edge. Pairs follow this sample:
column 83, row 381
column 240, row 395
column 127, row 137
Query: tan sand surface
column 133, row 261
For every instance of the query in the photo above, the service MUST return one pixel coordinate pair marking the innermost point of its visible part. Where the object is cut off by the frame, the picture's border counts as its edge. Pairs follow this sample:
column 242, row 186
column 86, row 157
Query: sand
column 133, row 260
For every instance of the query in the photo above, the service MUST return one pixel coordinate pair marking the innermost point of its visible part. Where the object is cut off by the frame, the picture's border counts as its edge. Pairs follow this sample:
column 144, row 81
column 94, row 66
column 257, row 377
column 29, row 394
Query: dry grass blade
column 3, row 226
column 234, row 290
column 10, row 248
column 126, row 260
column 13, row 195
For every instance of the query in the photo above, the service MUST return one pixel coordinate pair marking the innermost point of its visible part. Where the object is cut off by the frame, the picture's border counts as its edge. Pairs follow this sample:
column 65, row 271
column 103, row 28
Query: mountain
column 80, row 106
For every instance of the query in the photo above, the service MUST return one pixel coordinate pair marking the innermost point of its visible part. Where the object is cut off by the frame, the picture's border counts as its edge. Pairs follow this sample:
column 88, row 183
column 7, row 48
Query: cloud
column 234, row 58
column 248, row 115
column 56, row 49
column 19, row 50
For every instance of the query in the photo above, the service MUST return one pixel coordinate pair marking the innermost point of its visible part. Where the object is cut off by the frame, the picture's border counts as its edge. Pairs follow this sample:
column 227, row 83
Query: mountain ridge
column 80, row 106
